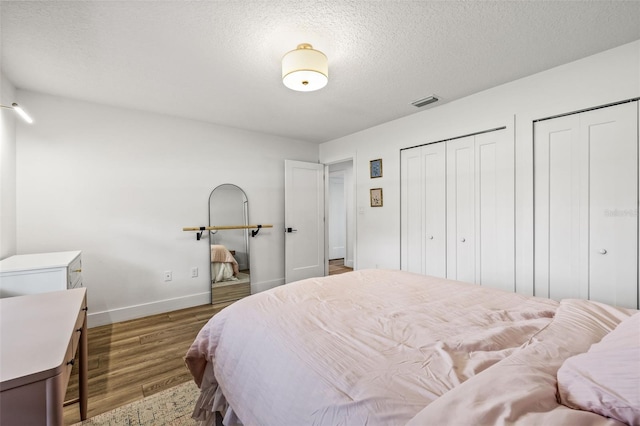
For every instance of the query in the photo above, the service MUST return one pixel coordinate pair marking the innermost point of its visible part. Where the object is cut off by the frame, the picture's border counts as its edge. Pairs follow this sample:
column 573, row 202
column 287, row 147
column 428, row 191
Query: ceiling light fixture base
column 305, row 69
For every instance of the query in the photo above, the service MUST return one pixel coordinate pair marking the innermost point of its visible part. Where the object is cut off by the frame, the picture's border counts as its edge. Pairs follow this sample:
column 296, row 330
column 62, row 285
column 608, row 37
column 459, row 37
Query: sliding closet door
column 423, row 210
column 586, row 206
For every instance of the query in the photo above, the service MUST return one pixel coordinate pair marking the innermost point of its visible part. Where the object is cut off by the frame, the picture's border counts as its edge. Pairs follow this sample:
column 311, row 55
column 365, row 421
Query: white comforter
column 368, row 347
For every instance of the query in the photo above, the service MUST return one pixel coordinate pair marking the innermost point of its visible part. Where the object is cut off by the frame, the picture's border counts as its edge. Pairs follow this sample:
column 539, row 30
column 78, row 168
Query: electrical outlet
column 168, row 275
column 194, row 272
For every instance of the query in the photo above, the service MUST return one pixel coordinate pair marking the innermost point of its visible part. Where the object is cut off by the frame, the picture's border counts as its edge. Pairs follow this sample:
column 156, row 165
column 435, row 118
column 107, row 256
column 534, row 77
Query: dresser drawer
column 74, row 273
column 82, row 314
column 25, row 274
column 69, row 360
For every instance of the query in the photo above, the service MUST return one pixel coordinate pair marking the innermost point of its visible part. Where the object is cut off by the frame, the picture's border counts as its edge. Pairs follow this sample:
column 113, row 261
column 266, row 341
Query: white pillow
column 606, row 379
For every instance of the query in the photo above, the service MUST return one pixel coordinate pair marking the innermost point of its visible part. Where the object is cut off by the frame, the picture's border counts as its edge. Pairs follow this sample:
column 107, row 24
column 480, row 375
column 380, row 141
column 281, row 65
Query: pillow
column 606, row 379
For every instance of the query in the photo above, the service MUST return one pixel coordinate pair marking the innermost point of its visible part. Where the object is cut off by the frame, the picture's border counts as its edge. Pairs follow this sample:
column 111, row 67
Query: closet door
column 411, row 206
column 461, row 230
column 610, row 136
column 586, row 201
column 434, row 166
column 480, row 210
column 495, row 210
column 423, row 210
column 560, row 249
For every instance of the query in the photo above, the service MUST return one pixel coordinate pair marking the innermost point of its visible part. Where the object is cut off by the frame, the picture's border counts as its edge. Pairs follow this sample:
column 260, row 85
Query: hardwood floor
column 336, row 266
column 134, row 359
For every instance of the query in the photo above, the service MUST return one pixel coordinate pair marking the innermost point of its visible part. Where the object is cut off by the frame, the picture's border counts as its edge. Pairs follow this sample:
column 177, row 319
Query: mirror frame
column 245, row 221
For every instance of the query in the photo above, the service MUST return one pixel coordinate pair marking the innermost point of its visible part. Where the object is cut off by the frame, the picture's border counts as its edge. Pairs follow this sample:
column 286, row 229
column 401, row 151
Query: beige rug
column 170, row 407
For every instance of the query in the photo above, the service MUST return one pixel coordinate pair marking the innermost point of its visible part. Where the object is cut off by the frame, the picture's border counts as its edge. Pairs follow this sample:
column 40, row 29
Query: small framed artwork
column 376, row 197
column 375, row 167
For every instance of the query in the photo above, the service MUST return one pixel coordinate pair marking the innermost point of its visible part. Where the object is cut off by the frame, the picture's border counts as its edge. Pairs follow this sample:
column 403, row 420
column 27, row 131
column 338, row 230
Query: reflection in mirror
column 230, row 271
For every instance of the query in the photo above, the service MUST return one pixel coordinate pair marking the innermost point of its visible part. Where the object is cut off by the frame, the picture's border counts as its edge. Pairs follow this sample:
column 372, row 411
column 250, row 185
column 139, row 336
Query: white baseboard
column 266, row 285
column 138, row 311
column 97, row 319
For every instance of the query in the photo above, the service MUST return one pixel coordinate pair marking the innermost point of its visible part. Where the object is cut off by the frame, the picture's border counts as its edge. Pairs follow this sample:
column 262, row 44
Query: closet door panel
column 557, row 208
column 412, row 234
column 434, row 167
column 461, row 209
column 586, row 206
column 495, row 253
column 612, row 141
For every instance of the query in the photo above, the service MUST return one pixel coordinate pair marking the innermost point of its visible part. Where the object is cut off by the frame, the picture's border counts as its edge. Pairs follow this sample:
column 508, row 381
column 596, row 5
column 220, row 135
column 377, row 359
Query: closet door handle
column 290, row 230
column 603, row 251
column 462, row 240
column 431, row 237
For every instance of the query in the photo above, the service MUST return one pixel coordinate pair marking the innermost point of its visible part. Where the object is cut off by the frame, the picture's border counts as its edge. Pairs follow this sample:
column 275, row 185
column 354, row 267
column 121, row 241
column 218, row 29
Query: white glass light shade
column 305, row 69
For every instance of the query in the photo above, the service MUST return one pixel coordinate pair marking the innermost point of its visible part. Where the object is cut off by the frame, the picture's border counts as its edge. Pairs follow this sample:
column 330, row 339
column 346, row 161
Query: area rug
column 171, row 407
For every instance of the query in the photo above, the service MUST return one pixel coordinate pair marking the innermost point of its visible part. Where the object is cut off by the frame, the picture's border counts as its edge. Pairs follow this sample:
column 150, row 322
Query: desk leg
column 83, row 371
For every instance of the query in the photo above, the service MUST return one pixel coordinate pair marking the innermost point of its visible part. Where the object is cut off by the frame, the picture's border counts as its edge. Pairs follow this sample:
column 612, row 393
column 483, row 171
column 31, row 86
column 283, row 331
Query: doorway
column 340, row 217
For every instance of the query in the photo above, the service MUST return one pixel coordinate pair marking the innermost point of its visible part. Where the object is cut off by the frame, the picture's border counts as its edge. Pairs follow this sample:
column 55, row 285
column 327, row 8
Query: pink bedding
column 522, row 389
column 368, row 347
column 220, row 254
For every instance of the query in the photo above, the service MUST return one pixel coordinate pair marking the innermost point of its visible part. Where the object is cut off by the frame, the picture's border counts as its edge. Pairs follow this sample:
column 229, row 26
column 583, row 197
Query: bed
column 224, row 266
column 384, row 347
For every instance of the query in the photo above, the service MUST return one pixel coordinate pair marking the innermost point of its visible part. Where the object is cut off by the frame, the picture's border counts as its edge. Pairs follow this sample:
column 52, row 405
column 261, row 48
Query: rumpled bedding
column 522, row 389
column 367, row 347
column 223, row 265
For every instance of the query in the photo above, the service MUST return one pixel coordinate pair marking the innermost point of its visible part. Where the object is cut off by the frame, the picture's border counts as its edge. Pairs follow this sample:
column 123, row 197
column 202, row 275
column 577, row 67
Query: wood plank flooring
column 336, row 266
column 134, row 359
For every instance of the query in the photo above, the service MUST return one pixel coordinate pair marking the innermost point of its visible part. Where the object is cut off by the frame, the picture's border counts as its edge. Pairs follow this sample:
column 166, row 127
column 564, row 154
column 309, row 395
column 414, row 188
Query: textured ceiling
column 219, row 61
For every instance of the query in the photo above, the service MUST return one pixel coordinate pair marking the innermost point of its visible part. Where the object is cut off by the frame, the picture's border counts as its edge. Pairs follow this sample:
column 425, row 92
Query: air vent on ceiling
column 424, row 101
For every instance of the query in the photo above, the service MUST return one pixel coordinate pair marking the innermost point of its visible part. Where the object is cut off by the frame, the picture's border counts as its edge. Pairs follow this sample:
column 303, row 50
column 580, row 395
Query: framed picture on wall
column 375, row 167
column 376, row 197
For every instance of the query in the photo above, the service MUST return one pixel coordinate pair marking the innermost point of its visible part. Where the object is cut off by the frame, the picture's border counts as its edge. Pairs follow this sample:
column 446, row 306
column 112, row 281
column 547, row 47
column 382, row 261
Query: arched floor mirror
column 230, row 268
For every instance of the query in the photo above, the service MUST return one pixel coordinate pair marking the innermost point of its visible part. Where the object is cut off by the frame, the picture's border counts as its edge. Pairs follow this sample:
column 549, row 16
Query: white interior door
column 337, row 216
column 412, row 205
column 304, row 220
column 461, row 230
column 494, row 209
column 435, row 206
column 423, row 209
column 586, row 206
column 559, row 255
column 610, row 135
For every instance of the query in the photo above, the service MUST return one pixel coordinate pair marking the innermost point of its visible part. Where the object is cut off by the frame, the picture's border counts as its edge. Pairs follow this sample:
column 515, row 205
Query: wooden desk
column 39, row 337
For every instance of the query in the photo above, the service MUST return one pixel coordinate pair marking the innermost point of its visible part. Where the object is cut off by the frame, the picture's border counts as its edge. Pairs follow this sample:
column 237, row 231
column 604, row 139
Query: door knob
column 603, row 251
column 289, row 230
column 462, row 240
column 431, row 237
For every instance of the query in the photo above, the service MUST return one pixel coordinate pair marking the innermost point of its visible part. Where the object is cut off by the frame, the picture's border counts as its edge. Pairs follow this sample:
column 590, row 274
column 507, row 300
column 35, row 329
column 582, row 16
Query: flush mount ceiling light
column 305, row 69
column 14, row 106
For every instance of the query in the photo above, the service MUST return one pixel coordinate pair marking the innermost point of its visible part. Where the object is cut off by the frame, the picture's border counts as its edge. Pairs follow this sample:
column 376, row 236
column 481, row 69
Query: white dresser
column 41, row 272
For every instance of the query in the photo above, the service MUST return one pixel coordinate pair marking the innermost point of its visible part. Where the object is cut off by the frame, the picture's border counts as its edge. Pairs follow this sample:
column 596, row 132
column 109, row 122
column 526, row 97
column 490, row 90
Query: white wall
column 608, row 77
column 7, row 170
column 120, row 185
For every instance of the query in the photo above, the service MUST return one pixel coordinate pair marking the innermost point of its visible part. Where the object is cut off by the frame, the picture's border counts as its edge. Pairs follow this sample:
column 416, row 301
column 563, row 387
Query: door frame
column 327, row 163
